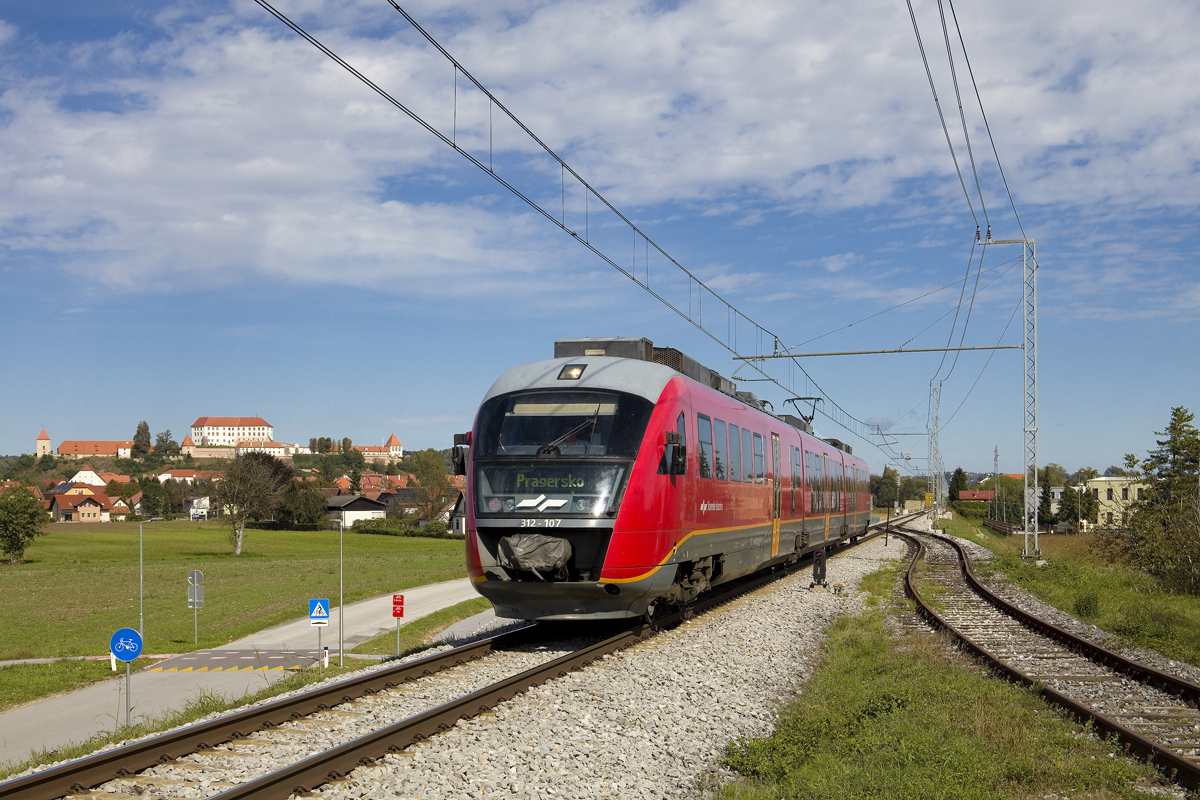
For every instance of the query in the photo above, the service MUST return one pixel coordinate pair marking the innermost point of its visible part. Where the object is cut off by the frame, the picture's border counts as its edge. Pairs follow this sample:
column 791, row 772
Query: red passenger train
column 618, row 477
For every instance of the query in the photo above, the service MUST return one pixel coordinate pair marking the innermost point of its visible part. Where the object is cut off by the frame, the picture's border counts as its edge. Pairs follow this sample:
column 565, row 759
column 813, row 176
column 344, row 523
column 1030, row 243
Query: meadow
column 79, row 583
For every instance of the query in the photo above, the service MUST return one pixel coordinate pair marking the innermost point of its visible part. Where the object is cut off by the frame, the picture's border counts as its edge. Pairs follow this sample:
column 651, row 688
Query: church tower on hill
column 43, row 444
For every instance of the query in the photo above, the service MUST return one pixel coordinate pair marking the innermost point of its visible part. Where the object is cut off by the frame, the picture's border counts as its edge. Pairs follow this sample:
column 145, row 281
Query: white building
column 228, row 431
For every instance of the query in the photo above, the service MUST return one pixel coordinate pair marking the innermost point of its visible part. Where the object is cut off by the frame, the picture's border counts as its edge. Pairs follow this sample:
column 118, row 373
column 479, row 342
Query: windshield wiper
column 552, row 448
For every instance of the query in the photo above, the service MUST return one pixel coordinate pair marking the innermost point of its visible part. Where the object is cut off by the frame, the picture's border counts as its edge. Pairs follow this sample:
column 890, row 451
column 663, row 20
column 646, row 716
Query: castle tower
column 393, row 446
column 43, row 444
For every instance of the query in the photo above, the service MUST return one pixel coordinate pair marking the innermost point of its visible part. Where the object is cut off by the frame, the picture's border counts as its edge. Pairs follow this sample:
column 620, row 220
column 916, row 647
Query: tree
column 1161, row 532
column 885, row 487
column 141, row 439
column 957, row 483
column 355, row 481
column 312, row 445
column 435, row 493
column 1045, row 507
column 251, row 490
column 1172, row 466
column 21, row 520
column 165, row 445
column 1052, row 475
column 154, row 498
column 301, row 503
column 347, row 446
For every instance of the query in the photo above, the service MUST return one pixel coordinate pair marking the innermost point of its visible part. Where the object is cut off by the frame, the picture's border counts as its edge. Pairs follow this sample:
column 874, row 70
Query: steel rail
column 335, row 764
column 83, row 774
column 1173, row 765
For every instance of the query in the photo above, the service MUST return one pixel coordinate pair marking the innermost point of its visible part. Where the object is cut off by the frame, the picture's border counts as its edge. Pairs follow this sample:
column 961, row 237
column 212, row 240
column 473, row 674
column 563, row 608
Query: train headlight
column 581, row 505
column 510, row 504
column 572, row 372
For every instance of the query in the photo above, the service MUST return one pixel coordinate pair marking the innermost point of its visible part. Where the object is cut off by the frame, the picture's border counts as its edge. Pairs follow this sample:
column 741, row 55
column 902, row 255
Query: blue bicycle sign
column 126, row 644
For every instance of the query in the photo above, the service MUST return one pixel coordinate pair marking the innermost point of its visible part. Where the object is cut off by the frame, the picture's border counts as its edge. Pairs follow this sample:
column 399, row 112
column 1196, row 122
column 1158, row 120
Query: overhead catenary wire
column 832, row 411
column 987, row 126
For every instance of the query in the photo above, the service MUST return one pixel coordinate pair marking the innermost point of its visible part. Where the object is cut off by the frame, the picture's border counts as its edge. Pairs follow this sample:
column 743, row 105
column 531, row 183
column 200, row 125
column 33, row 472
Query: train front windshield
column 555, row 453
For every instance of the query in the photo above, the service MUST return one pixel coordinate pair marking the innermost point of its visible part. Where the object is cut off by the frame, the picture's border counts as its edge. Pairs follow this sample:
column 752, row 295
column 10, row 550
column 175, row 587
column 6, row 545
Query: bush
column 972, row 509
column 394, row 527
column 278, row 525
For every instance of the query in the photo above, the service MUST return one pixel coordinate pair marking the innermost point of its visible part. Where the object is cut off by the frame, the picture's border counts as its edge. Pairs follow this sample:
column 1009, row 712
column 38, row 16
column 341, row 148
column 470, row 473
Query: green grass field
column 903, row 714
column 1123, row 601
column 80, row 582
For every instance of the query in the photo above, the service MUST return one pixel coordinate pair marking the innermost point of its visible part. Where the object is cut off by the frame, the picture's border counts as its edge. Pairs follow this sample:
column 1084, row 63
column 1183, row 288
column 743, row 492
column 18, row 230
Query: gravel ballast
column 649, row 722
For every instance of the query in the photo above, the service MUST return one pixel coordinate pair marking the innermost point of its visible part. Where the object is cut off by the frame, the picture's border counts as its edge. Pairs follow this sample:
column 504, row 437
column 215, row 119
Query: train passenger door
column 776, row 494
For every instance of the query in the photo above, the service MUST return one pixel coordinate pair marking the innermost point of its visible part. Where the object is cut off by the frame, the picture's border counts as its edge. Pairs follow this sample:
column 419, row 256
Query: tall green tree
column 22, row 519
column 885, row 487
column 251, row 489
column 301, row 503
column 1161, row 533
column 958, row 482
column 1172, row 467
column 429, row 473
column 165, row 445
column 141, row 439
column 1045, row 507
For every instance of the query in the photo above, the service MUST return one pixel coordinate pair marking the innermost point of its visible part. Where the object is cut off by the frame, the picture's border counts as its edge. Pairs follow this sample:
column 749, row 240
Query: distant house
column 88, row 476
column 197, row 507
column 190, row 476
column 80, row 508
column 228, row 431
column 87, row 449
column 349, row 508
column 120, row 510
column 977, row 494
column 389, row 451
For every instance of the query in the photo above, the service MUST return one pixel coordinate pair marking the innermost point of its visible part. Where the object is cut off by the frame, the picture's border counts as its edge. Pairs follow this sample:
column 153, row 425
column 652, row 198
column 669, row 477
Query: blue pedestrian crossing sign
column 318, row 613
column 126, row 644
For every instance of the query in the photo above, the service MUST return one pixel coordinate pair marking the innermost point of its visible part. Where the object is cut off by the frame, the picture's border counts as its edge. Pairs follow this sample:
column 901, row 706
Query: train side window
column 735, row 453
column 760, row 474
column 704, row 435
column 681, row 426
column 792, row 464
column 719, row 450
column 747, row 457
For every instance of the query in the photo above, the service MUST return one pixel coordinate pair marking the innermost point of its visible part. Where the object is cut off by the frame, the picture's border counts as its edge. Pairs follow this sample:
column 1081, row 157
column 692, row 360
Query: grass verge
column 201, row 706
column 1130, row 604
column 24, row 683
column 906, row 716
column 418, row 635
column 80, row 582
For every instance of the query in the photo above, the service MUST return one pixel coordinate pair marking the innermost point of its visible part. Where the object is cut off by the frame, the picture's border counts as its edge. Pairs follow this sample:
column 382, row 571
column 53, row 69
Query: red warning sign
column 397, row 605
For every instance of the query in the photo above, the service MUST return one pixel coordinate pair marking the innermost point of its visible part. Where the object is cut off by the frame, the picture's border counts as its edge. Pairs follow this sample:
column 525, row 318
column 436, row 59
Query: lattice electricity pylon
column 936, row 475
column 1029, row 316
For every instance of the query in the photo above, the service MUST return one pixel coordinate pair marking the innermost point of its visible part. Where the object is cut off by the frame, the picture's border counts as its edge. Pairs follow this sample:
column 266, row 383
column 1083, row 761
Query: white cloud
column 231, row 147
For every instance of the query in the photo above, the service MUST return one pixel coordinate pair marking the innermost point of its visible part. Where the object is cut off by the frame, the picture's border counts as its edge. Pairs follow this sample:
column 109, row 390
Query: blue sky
column 203, row 215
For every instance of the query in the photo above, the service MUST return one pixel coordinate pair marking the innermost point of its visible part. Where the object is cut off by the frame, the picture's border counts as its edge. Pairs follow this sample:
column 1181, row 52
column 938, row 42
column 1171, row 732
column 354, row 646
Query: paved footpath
column 263, row 658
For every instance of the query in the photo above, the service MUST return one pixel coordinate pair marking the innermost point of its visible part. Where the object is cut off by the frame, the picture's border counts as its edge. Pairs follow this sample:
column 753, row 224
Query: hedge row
column 974, row 509
column 394, row 527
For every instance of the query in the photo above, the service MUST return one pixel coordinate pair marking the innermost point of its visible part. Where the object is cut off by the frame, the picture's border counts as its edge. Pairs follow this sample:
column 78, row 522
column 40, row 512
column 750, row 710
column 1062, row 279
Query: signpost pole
column 128, row 697
column 320, row 654
column 341, row 597
column 126, row 645
column 195, row 625
column 397, row 612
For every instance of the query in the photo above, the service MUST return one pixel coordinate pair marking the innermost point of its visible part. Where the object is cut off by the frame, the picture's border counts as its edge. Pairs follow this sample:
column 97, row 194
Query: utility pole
column 1029, row 316
column 935, row 456
column 995, row 481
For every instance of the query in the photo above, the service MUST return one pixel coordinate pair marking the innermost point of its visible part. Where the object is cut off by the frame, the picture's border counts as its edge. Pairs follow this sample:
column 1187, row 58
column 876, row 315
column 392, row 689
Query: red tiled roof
column 43, row 435
column 231, row 422
column 109, row 477
column 187, row 442
column 976, row 494
column 73, row 501
column 6, row 485
column 93, row 448
column 392, row 440
column 275, row 445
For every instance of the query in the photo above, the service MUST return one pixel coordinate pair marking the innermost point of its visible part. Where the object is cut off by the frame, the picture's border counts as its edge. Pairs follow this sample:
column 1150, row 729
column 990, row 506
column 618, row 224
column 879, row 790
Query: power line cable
column 832, row 411
column 884, row 311
column 929, row 74
column 985, row 366
column 962, row 116
column 987, row 126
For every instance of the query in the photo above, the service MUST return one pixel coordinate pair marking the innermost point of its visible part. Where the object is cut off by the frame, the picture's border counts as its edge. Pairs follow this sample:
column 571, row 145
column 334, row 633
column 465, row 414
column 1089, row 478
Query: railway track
column 1153, row 714
column 223, row 757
